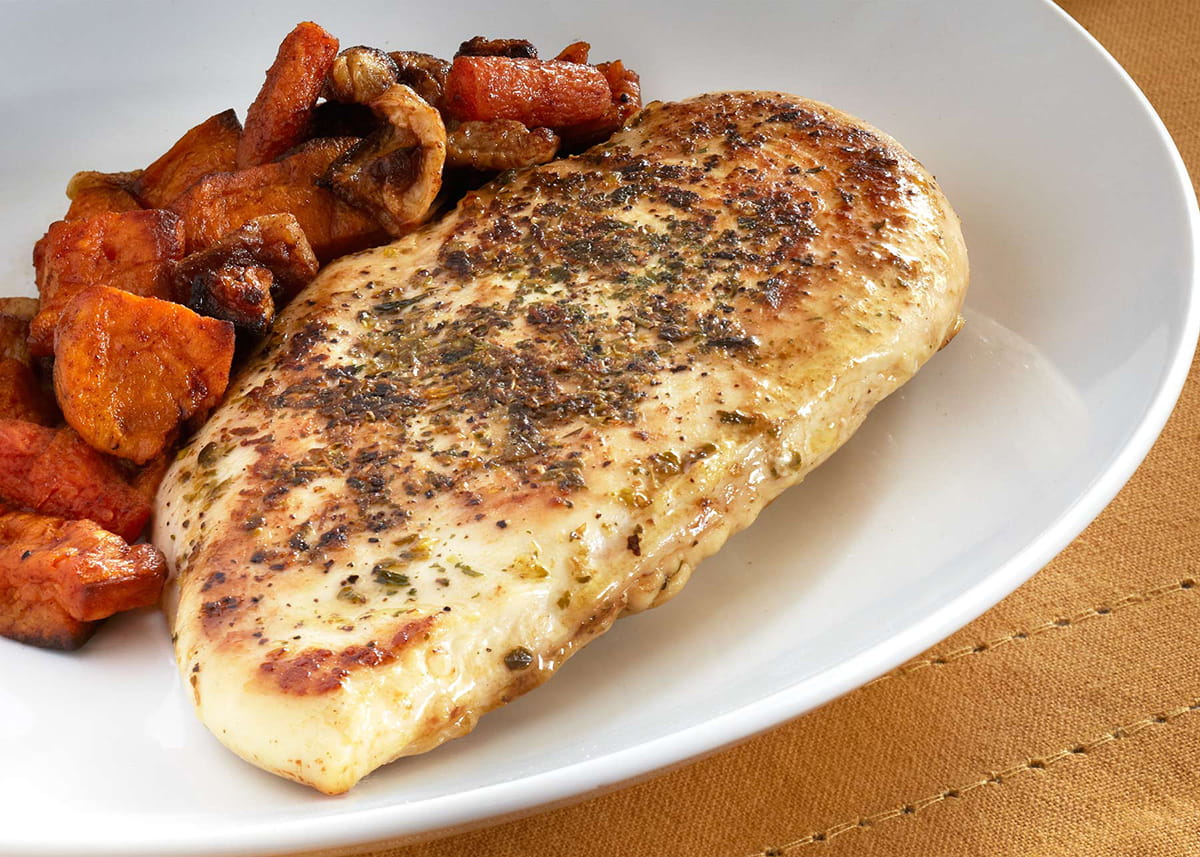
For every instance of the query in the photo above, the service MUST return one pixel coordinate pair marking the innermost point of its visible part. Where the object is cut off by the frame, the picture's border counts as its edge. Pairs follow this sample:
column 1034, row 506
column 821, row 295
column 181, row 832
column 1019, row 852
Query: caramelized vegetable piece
column 93, row 193
column 239, row 294
column 342, row 119
column 425, row 73
column 280, row 115
column 626, row 89
column 220, row 203
column 132, row 250
column 21, row 398
column 59, row 577
column 396, row 173
column 21, row 308
column 360, row 75
column 150, row 475
column 15, row 315
column 478, row 46
column 533, row 92
column 54, row 472
column 128, row 371
column 210, row 147
column 575, row 52
column 501, row 144
column 626, row 102
column 244, row 275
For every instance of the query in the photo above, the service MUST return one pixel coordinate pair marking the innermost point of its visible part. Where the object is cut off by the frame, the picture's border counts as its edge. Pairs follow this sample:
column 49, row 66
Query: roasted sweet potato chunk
column 128, row 371
column 210, row 147
column 132, row 250
column 93, row 193
column 245, row 275
column 218, row 204
column 536, row 93
column 54, row 472
column 280, row 115
column 21, row 398
column 59, row 577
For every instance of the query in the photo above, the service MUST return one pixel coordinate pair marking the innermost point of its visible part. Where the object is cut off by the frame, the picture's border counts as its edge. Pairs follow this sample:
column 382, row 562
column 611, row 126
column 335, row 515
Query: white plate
column 1082, row 229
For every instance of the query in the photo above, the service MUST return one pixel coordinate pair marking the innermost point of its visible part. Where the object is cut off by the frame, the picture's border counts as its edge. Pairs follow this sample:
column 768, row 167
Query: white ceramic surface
column 1082, row 316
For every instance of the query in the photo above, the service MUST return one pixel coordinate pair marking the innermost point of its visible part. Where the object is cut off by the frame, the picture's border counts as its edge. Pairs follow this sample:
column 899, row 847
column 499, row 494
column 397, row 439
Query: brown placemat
column 1065, row 721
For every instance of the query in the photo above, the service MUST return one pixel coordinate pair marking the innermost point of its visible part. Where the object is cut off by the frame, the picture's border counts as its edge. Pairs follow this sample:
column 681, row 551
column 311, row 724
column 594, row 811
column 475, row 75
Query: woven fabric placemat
column 1065, row 721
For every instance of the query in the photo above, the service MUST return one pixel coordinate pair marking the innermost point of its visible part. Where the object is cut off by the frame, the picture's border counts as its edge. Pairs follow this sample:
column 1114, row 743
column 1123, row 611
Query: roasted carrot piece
column 132, row 250
column 626, row 88
column 58, row 577
column 220, row 203
column 128, row 371
column 537, row 93
column 53, row 471
column 280, row 115
column 210, row 147
column 575, row 52
column 21, row 398
column 93, row 193
column 626, row 102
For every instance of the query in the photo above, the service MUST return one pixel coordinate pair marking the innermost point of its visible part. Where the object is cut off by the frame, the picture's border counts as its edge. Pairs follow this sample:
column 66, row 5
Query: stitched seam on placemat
column 1058, row 624
column 993, row 779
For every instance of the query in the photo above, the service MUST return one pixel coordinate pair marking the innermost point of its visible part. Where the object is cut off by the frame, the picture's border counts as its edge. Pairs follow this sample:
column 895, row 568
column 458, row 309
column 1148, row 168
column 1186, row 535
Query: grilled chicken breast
column 461, row 456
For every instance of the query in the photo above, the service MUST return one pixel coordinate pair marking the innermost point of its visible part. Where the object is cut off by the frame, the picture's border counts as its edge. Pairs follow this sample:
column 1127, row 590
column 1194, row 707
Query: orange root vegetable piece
column 535, row 93
column 626, row 102
column 150, row 476
column 220, row 203
column 626, row 88
column 575, row 52
column 93, row 193
column 20, row 396
column 128, row 371
column 210, row 147
column 132, row 250
column 54, row 472
column 280, row 115
column 59, row 577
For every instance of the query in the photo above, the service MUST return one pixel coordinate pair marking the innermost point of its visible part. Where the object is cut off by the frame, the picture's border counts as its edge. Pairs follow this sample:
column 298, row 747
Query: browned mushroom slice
column 360, row 75
column 481, row 47
column 395, row 173
column 238, row 277
column 502, row 144
column 425, row 73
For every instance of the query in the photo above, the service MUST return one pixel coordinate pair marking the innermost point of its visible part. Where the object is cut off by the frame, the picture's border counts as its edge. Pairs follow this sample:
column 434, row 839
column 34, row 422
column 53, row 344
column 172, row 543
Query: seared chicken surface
column 461, row 456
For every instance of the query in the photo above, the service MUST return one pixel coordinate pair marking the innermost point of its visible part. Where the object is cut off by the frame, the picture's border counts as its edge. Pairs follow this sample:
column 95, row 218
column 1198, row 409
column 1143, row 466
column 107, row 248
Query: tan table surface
column 1065, row 721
